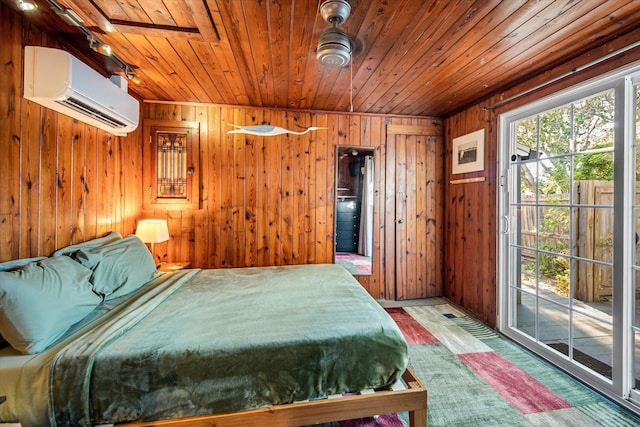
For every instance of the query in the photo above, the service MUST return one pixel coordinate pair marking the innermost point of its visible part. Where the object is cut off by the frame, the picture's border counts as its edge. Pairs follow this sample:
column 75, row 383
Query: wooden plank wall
column 270, row 200
column 62, row 181
column 470, row 221
column 264, row 201
column 471, row 208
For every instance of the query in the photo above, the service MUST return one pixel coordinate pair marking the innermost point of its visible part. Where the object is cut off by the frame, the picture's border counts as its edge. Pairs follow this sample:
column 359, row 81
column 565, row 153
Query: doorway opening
column 354, row 208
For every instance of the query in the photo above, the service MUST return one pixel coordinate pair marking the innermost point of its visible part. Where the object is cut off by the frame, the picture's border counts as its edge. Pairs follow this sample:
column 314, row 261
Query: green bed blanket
column 223, row 340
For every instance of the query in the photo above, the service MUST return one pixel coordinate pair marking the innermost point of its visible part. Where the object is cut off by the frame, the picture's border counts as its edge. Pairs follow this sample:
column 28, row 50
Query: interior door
column 413, row 214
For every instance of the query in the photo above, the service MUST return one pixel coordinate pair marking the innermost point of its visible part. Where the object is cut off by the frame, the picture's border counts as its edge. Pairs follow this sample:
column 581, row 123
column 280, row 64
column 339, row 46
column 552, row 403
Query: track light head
column 101, row 48
column 26, row 5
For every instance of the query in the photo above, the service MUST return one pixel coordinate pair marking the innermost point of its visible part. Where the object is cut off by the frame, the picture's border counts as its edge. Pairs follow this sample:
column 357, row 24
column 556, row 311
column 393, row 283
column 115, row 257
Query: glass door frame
column 619, row 388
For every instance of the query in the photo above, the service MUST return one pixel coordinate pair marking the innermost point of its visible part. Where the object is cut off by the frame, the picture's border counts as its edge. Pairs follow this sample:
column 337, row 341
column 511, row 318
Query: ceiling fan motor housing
column 335, row 11
column 334, row 48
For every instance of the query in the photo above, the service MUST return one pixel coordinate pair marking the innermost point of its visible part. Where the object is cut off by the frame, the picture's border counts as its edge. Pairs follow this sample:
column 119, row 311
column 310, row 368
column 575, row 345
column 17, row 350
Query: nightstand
column 173, row 266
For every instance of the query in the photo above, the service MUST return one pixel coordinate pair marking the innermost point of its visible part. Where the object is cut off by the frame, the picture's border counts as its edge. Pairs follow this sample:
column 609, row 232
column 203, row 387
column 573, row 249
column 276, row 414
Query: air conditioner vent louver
column 83, row 108
column 57, row 80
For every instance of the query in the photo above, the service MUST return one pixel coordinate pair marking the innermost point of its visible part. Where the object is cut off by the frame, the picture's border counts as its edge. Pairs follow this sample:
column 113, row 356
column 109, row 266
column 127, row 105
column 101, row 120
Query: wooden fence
column 589, row 228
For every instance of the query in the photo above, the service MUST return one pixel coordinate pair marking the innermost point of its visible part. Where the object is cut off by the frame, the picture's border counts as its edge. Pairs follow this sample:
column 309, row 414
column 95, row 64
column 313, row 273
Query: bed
column 292, row 345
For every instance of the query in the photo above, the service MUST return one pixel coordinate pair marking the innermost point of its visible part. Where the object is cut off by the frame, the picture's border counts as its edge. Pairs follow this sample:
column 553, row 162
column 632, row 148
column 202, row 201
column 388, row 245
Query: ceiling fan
column 334, row 46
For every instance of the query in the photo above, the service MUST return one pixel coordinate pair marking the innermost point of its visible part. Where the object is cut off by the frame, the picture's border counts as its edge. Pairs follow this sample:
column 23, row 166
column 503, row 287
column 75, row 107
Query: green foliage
column 555, row 219
column 555, row 267
column 578, row 127
column 598, row 166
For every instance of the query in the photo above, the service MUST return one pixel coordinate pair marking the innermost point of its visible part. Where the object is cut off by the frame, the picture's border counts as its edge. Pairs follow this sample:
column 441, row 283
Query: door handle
column 400, row 221
column 507, row 224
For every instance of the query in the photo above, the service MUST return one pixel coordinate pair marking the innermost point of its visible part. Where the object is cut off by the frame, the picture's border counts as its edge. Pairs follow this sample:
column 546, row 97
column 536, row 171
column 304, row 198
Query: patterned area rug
column 475, row 377
column 354, row 263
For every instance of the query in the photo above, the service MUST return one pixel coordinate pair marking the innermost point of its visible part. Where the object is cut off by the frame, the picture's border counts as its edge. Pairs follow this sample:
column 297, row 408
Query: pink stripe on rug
column 413, row 331
column 365, row 268
column 387, row 420
column 520, row 389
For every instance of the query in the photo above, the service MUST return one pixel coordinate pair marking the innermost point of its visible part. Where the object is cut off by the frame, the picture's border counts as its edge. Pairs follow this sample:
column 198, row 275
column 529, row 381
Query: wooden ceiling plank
column 174, row 58
column 203, row 76
column 234, row 23
column 423, row 36
column 280, row 49
column 214, row 11
column 174, row 83
column 407, row 50
column 157, row 11
column 153, row 85
column 432, row 57
column 306, row 73
column 330, row 78
column 181, row 12
column 258, row 47
column 110, row 9
column 91, row 15
column 550, row 45
column 222, row 55
column 482, row 40
column 401, row 15
column 206, row 55
column 528, row 31
column 197, row 9
column 130, row 10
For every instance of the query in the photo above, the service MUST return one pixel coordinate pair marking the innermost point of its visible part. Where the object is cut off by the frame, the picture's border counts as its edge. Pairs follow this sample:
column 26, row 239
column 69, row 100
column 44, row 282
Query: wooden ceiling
column 429, row 57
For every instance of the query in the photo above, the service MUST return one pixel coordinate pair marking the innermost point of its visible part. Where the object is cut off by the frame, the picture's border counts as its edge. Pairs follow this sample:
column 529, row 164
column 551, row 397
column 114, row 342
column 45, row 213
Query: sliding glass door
column 634, row 314
column 569, row 210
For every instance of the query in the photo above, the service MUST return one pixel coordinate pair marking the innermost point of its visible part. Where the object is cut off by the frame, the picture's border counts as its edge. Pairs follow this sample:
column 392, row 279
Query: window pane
column 592, row 343
column 172, row 165
column 527, row 132
column 525, row 275
column 553, row 323
column 593, row 166
column 554, row 228
column 524, row 312
column 593, row 233
column 527, row 175
column 524, row 223
column 553, row 277
column 592, row 283
column 555, row 132
column 554, row 178
column 594, row 122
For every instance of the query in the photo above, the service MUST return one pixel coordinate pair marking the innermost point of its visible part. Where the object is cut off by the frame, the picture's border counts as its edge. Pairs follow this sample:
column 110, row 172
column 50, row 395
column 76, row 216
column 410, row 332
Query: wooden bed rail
column 412, row 399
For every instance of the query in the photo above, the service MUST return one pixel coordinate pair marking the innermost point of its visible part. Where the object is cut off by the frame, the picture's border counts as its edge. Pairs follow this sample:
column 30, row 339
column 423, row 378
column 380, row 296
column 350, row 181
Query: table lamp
column 153, row 231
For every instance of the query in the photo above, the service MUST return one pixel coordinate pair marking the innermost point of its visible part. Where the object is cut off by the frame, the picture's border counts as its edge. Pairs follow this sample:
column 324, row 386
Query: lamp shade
column 153, row 230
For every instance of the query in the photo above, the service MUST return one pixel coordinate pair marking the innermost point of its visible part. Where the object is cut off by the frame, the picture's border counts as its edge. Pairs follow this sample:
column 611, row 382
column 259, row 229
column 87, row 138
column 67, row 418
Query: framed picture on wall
column 468, row 153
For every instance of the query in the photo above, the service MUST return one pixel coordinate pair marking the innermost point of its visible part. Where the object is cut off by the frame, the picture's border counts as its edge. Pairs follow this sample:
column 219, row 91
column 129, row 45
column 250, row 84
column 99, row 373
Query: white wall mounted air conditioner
column 58, row 80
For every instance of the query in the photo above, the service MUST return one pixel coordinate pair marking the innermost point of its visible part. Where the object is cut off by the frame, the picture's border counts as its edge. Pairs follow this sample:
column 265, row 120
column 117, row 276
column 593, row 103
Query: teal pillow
column 89, row 244
column 19, row 263
column 119, row 267
column 13, row 265
column 40, row 302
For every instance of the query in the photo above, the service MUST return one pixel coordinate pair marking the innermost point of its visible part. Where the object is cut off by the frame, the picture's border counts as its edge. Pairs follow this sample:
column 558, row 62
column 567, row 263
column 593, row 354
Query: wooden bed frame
column 412, row 399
